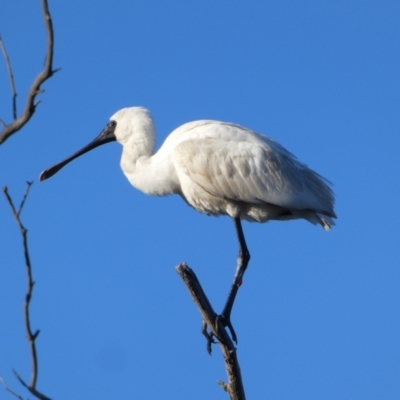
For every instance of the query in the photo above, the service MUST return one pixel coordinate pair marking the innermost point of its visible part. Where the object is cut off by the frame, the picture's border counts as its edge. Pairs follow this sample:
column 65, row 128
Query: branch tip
column 235, row 385
column 8, row 389
column 35, row 88
column 223, row 385
column 10, row 77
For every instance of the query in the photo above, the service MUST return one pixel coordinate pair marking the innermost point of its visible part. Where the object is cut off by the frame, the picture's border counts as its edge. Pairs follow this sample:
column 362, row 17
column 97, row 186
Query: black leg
column 242, row 262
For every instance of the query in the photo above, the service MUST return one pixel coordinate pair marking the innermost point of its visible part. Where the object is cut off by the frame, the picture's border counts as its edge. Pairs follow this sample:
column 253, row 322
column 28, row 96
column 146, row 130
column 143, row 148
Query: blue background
column 318, row 314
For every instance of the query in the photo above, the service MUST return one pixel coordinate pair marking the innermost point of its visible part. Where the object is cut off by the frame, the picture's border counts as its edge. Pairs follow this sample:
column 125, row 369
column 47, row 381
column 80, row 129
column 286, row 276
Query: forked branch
column 34, row 90
column 31, row 336
column 234, row 387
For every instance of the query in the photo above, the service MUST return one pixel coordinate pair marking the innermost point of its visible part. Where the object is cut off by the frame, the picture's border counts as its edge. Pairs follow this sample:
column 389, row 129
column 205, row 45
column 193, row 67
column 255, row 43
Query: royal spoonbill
column 218, row 168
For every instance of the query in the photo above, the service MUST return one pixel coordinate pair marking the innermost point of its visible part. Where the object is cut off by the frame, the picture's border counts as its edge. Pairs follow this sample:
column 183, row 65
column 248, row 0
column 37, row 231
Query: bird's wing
column 253, row 172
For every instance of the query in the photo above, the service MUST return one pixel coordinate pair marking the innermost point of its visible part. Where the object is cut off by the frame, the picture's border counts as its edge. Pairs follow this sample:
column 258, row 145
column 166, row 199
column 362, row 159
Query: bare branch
column 9, row 390
column 234, row 387
column 11, row 77
column 33, row 390
column 21, row 206
column 34, row 90
column 30, row 335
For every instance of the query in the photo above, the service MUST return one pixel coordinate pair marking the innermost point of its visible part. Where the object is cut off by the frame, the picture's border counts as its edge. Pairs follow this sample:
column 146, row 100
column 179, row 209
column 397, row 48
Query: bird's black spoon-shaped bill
column 107, row 135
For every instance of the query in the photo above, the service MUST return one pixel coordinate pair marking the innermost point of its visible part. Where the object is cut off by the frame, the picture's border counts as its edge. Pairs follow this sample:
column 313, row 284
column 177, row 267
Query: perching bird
column 218, row 168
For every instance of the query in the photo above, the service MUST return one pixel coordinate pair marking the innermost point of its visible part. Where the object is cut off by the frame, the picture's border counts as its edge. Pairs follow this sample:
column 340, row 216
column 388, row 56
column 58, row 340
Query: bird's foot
column 209, row 337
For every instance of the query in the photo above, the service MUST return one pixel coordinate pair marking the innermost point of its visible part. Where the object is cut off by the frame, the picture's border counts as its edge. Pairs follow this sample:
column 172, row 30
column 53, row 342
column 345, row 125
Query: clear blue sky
column 318, row 314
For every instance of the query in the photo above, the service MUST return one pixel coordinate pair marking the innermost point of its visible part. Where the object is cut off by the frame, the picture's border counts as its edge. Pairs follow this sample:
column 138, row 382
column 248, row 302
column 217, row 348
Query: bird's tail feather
column 316, row 218
column 325, row 221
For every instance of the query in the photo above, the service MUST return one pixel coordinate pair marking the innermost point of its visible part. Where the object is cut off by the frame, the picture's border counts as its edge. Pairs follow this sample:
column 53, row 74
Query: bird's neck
column 150, row 173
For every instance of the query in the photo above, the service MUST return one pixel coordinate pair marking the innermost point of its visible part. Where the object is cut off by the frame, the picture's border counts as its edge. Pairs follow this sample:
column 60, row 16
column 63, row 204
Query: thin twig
column 11, row 77
column 30, row 335
column 34, row 90
column 21, row 206
column 33, row 390
column 9, row 390
column 234, row 387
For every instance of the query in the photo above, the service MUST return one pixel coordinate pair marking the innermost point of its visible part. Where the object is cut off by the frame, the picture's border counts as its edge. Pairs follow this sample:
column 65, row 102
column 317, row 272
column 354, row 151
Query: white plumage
column 219, row 169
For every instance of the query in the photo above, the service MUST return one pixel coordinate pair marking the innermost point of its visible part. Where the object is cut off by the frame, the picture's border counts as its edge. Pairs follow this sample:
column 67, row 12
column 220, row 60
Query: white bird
column 218, row 168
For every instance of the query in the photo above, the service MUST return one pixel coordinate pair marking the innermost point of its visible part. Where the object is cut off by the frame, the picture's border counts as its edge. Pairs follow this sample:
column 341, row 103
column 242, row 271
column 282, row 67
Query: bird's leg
column 242, row 262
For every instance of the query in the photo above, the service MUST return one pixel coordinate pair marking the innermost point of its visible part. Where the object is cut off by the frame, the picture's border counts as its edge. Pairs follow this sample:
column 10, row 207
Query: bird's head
column 131, row 122
column 123, row 125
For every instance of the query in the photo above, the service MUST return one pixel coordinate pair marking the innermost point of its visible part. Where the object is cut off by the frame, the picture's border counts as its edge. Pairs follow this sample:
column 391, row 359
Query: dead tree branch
column 35, row 89
column 9, row 390
column 11, row 77
column 234, row 387
column 31, row 336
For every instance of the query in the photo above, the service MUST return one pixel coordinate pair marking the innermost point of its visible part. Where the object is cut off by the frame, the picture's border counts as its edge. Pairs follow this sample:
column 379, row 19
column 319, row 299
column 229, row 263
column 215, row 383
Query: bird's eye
column 112, row 124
